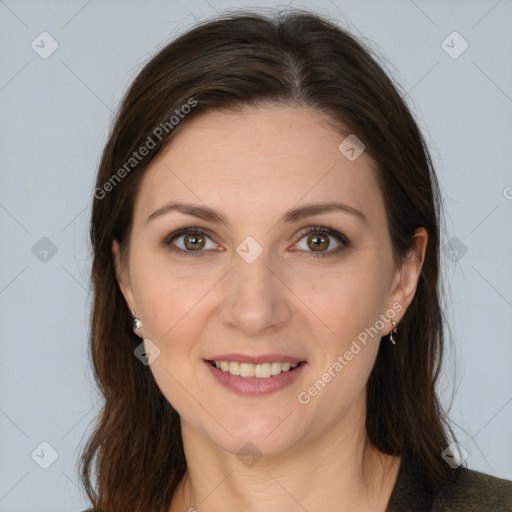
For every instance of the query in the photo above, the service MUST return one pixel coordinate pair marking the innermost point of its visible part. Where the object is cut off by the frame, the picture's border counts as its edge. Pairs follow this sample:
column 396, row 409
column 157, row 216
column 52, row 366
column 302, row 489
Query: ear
column 122, row 275
column 406, row 277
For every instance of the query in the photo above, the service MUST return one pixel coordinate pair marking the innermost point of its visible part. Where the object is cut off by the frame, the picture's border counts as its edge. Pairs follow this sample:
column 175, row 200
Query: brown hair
column 238, row 60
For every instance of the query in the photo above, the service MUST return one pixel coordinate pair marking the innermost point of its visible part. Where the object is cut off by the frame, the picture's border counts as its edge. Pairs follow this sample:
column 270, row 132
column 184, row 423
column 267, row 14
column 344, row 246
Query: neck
column 338, row 471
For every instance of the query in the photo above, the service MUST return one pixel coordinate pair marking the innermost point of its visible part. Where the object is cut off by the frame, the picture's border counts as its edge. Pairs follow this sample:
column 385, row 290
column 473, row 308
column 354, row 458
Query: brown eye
column 194, row 241
column 189, row 242
column 318, row 242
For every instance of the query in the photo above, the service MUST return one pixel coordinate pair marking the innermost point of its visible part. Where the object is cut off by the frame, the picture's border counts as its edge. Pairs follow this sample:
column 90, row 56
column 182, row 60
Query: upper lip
column 265, row 358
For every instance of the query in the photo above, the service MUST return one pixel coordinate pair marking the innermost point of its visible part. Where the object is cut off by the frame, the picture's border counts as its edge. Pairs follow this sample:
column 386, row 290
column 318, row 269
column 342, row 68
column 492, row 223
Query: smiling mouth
column 259, row 371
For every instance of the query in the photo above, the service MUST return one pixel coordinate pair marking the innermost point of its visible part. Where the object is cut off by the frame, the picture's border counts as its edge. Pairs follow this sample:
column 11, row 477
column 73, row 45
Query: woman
column 266, row 327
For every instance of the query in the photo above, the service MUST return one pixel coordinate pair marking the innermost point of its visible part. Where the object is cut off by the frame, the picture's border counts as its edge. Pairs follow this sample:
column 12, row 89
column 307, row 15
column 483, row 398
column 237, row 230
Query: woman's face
column 253, row 270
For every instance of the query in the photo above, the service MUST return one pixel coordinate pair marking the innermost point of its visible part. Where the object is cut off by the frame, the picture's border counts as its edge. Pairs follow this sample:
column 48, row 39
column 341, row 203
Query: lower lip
column 251, row 386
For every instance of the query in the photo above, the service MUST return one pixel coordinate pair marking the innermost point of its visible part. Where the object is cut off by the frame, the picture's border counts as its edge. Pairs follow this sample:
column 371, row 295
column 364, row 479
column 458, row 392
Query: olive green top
column 464, row 491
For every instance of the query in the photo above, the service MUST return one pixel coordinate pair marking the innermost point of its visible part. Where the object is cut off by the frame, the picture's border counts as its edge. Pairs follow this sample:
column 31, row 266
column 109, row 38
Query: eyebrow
column 295, row 214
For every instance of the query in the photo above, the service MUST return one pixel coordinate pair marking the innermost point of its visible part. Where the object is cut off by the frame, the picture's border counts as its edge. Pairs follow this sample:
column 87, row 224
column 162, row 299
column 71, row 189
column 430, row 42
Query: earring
column 393, row 331
column 136, row 323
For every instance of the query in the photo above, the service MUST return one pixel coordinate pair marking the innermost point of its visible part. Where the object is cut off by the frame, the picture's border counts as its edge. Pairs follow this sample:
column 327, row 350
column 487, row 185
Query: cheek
column 174, row 319
column 168, row 299
column 348, row 301
column 350, row 304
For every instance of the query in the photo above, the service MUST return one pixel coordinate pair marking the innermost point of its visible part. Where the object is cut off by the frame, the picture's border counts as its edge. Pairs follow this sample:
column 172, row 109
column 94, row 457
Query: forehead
column 267, row 159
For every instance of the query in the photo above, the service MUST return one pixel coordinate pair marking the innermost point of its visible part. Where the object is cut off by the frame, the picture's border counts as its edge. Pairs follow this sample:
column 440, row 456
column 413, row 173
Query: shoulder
column 463, row 490
column 471, row 491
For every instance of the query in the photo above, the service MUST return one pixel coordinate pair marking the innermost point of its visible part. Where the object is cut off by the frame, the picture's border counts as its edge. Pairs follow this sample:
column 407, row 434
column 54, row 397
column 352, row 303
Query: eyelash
column 342, row 239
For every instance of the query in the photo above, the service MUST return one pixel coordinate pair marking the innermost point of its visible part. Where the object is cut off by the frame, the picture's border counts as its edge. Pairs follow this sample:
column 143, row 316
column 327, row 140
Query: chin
column 257, row 446
column 255, row 436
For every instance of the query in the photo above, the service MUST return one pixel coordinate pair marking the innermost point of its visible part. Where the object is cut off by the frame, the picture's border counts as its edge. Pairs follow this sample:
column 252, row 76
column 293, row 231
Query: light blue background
column 55, row 119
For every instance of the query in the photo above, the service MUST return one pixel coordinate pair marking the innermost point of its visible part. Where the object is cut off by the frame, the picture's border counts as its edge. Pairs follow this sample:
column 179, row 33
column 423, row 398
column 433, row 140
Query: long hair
column 134, row 458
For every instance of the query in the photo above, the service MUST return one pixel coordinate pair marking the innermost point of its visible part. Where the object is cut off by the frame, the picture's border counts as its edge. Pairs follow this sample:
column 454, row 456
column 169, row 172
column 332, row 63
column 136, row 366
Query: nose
column 256, row 301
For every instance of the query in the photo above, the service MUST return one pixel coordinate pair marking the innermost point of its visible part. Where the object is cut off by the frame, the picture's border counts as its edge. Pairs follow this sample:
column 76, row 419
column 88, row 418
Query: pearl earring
column 137, row 324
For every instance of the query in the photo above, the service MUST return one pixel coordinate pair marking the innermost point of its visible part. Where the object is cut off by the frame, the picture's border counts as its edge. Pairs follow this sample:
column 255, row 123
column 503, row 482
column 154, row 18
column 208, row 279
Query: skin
column 252, row 168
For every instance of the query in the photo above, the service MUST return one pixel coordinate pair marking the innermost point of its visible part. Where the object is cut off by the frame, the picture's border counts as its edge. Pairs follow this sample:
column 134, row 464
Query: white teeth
column 234, row 368
column 246, row 370
column 275, row 368
column 260, row 371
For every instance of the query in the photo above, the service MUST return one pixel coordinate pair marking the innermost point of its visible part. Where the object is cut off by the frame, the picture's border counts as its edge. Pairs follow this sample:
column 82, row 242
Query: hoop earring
column 393, row 331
